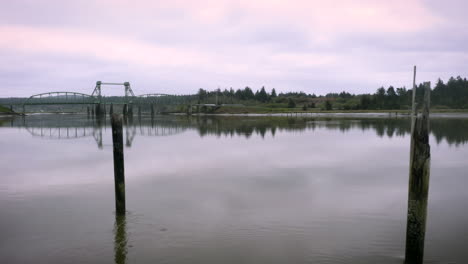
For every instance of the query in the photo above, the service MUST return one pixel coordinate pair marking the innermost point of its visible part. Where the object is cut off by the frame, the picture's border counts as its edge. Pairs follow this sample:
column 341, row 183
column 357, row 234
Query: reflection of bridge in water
column 69, row 127
column 452, row 130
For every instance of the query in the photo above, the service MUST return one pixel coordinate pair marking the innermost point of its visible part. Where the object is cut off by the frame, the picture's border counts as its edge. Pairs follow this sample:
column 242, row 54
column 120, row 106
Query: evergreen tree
column 262, row 95
column 248, row 93
column 202, row 94
column 273, row 93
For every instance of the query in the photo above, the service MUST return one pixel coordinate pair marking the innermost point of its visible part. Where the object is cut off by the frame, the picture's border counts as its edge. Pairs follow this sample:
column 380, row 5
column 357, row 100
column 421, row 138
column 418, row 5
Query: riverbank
column 4, row 111
column 269, row 110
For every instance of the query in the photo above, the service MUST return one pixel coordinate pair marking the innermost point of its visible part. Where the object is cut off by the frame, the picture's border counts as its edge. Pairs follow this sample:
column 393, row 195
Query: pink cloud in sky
column 181, row 45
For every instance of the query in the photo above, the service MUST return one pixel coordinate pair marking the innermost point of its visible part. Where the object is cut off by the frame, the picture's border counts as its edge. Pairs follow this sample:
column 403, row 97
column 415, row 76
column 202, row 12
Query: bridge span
column 95, row 102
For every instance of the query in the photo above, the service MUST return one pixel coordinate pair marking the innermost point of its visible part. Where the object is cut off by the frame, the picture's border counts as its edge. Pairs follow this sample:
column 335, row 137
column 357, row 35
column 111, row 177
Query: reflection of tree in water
column 453, row 131
column 449, row 129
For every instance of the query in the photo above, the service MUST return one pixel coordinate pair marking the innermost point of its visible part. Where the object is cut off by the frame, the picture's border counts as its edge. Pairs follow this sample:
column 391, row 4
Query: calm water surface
column 227, row 190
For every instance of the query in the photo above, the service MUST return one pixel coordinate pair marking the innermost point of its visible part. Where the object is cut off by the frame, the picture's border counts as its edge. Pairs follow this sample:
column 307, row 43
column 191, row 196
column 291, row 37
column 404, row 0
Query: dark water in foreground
column 227, row 190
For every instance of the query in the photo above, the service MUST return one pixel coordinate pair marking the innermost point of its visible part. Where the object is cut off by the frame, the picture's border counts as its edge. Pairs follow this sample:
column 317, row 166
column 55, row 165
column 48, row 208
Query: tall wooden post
column 413, row 100
column 119, row 172
column 418, row 191
column 413, row 104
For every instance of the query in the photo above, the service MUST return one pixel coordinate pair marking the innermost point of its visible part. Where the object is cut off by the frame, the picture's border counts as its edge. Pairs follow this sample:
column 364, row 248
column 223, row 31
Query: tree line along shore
column 451, row 96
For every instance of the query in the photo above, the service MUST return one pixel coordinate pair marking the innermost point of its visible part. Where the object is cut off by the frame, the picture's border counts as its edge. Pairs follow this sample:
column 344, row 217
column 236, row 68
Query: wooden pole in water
column 413, row 110
column 418, row 191
column 119, row 172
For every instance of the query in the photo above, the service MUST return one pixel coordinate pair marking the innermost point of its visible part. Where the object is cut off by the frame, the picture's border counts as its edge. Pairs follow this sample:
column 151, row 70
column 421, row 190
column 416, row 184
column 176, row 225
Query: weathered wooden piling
column 420, row 156
column 413, row 101
column 152, row 110
column 119, row 172
column 413, row 110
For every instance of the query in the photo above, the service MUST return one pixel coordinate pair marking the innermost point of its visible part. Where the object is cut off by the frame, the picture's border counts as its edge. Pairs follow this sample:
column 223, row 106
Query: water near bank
column 203, row 189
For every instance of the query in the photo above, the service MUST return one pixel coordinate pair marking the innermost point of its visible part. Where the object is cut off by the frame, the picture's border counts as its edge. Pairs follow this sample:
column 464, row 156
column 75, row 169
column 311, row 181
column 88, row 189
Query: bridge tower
column 128, row 93
column 97, row 93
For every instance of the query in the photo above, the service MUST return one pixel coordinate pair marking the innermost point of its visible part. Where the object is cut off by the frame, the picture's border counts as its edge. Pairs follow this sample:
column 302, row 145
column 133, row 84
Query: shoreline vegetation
column 445, row 97
column 234, row 110
column 6, row 111
column 449, row 97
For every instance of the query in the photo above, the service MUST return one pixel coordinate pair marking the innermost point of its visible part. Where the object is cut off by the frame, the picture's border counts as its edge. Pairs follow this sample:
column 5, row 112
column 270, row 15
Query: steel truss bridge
column 94, row 99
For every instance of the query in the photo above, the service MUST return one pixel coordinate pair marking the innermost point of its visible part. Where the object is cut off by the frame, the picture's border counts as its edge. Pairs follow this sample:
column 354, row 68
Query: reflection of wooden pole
column 120, row 240
column 119, row 172
column 130, row 110
column 125, row 110
column 111, row 109
column 418, row 191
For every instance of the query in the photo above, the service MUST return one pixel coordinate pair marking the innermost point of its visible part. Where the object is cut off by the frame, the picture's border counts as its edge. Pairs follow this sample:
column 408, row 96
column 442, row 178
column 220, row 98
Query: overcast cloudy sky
column 178, row 46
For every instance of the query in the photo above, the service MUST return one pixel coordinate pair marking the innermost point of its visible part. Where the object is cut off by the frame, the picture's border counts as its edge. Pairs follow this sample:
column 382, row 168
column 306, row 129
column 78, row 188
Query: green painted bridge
column 94, row 99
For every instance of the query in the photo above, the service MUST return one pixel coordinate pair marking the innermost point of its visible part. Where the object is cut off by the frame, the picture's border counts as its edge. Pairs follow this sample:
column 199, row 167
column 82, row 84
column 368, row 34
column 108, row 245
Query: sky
column 179, row 46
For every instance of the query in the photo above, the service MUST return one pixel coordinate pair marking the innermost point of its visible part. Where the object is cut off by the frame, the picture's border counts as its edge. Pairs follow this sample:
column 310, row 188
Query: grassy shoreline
column 6, row 111
column 266, row 110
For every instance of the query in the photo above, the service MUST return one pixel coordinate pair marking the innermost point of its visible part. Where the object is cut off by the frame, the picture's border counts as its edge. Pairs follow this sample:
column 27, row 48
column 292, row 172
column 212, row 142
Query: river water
column 297, row 189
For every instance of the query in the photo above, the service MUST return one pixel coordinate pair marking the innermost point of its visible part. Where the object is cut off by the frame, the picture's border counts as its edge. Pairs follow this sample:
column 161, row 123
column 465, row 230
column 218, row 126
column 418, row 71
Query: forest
column 452, row 95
